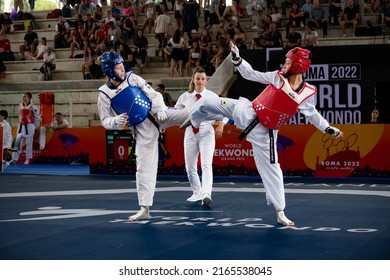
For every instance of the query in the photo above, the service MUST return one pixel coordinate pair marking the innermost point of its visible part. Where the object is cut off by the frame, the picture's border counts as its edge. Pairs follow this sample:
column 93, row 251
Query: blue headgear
column 108, row 61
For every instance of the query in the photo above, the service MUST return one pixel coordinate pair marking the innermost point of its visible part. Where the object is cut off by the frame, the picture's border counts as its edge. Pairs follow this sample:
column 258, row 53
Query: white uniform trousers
column 204, row 143
column 242, row 113
column 146, row 150
column 27, row 136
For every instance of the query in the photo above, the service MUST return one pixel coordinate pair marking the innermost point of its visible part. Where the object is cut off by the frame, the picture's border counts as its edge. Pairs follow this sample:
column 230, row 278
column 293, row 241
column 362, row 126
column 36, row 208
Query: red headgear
column 300, row 61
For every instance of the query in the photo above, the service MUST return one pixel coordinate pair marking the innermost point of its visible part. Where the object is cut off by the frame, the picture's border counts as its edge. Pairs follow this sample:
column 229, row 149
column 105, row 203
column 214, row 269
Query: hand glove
column 161, row 116
column 334, row 131
column 235, row 53
column 120, row 119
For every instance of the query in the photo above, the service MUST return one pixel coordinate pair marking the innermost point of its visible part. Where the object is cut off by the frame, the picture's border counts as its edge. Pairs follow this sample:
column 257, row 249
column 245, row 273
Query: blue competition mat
column 46, row 217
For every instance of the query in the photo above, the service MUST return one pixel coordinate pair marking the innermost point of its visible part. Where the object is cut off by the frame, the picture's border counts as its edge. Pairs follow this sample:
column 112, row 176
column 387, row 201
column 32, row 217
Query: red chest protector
column 275, row 106
column 26, row 116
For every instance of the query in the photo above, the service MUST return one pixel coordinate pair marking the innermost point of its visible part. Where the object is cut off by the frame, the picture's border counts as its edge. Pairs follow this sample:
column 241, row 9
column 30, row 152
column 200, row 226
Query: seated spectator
column 286, row 4
column 128, row 57
column 98, row 13
column 167, row 97
column 90, row 26
column 116, row 11
column 205, row 43
column 296, row 17
column 233, row 10
column 141, row 46
column 318, row 17
column 114, row 36
column 88, row 59
column 49, row 63
column 127, row 10
column 306, row 9
column 86, row 7
column 256, row 44
column 254, row 6
column 109, row 18
column 273, row 38
column 78, row 40
column 349, row 16
column 293, row 39
column 310, row 37
column 78, row 21
column 239, row 33
column 63, row 33
column 30, row 42
column 276, row 16
column 41, row 49
column 256, row 19
column 5, row 24
column 58, row 123
column 101, row 33
column 334, row 10
column 194, row 57
column 222, row 51
column 194, row 37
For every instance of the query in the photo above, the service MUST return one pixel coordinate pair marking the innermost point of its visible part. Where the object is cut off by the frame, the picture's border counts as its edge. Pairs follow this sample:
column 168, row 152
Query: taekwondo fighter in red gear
column 127, row 99
column 286, row 94
column 28, row 121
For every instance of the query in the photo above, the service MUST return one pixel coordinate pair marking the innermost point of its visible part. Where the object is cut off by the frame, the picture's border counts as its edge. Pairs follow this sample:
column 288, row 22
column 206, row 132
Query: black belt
column 250, row 127
column 160, row 138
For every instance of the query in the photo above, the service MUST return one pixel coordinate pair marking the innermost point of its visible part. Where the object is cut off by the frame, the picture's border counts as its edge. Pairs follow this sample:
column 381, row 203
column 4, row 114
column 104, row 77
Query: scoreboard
column 120, row 145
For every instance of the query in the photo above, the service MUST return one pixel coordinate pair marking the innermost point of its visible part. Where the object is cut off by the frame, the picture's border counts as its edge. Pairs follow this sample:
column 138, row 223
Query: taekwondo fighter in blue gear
column 126, row 99
column 286, row 93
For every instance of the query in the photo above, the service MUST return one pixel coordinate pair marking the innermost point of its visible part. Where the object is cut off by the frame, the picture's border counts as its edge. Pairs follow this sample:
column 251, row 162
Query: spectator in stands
column 296, row 17
column 191, row 13
column 239, row 33
column 287, row 3
column 334, row 10
column 273, row 38
column 205, row 43
column 127, row 9
column 86, row 7
column 28, row 121
column 88, row 58
column 306, row 9
column 256, row 19
column 127, row 29
column 150, row 14
column 194, row 37
column 177, row 55
column 310, row 37
column 215, row 18
column 90, row 26
column 318, row 17
column 222, row 51
column 5, row 24
column 58, row 123
column 141, row 46
column 101, row 33
column 78, row 21
column 166, row 95
column 78, row 40
column 49, row 63
column 128, row 57
column 41, row 49
column 63, row 33
column 223, row 34
column 234, row 11
column 114, row 36
column 256, row 43
column 109, row 18
column 115, row 11
column 161, row 28
column 179, row 13
column 276, row 16
column 385, row 17
column 136, row 8
column 253, row 6
column 265, row 24
column 293, row 38
column 349, row 16
column 194, row 57
column 98, row 13
column 30, row 42
column 19, row 5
